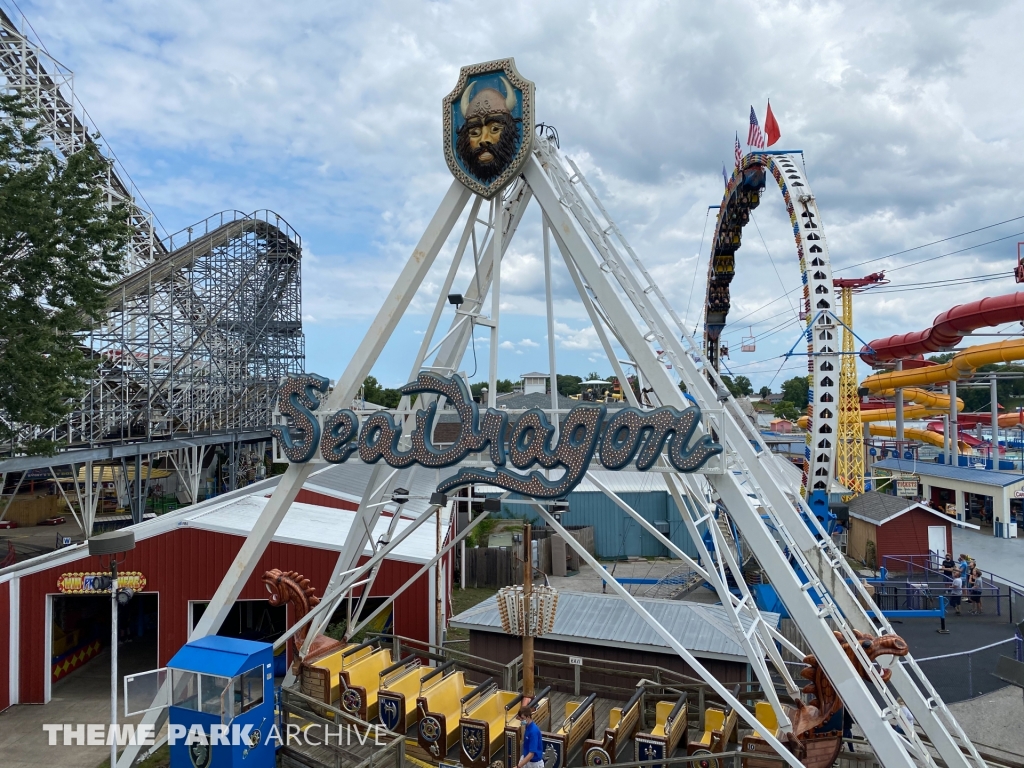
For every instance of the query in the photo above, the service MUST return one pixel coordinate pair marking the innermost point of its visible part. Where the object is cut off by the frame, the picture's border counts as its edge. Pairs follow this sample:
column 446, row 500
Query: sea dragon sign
column 585, row 431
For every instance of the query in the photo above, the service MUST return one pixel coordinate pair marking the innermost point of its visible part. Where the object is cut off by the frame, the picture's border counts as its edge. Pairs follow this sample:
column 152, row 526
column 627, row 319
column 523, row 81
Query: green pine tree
column 61, row 248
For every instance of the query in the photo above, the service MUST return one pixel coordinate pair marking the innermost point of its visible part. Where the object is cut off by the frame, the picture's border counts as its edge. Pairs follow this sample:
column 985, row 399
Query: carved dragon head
column 290, row 586
column 885, row 645
column 825, row 700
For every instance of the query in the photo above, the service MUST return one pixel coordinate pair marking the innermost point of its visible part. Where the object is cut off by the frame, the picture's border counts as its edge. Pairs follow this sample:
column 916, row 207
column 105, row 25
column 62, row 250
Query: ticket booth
column 221, row 685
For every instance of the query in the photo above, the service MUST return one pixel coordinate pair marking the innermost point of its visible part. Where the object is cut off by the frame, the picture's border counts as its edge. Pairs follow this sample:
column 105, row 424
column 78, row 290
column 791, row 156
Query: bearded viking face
column 486, row 144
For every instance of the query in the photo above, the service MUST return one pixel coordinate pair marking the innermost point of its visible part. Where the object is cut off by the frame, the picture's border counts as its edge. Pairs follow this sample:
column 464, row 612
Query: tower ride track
column 743, row 195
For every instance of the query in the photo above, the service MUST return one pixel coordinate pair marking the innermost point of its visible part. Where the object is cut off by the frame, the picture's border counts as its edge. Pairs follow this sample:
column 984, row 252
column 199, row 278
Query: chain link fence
column 965, row 675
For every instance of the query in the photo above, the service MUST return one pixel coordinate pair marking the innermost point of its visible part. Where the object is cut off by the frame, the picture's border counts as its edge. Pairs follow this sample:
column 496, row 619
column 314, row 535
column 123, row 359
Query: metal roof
column 596, row 619
column 307, row 525
column 947, row 472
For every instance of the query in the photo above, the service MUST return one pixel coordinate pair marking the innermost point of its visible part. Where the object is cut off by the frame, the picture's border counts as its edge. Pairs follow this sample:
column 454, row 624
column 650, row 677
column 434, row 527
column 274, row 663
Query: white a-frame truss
column 627, row 309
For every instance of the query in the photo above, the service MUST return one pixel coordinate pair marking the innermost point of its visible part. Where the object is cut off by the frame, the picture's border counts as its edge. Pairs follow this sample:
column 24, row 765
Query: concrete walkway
column 993, row 722
column 82, row 697
column 1004, row 557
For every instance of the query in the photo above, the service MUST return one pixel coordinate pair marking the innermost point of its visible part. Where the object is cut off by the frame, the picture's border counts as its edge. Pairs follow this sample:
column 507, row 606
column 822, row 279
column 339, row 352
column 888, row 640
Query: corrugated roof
column 947, row 472
column 307, row 525
column 586, row 617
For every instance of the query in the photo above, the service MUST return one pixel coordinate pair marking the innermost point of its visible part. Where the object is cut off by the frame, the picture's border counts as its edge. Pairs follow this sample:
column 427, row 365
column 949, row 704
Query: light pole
column 527, row 611
column 113, row 544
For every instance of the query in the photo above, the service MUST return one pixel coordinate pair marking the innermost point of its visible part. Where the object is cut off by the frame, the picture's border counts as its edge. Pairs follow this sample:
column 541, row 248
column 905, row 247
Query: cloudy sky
column 330, row 114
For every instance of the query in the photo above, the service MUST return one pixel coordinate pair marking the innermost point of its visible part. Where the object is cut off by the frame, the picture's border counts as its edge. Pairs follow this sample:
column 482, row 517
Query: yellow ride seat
column 766, row 717
column 714, row 720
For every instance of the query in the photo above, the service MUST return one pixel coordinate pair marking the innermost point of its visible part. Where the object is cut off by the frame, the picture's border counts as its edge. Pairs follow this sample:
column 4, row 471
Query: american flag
column 739, row 152
column 754, row 136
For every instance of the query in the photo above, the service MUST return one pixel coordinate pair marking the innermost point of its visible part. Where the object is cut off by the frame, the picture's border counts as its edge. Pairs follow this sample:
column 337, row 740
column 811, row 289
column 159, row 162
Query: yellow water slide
column 962, row 365
column 924, row 403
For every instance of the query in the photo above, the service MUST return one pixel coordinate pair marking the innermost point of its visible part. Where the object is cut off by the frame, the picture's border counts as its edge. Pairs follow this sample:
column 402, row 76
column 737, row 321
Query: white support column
column 899, row 411
column 14, row 641
column 993, row 395
column 958, row 497
column 1000, row 513
column 550, row 305
column 496, row 238
column 954, row 431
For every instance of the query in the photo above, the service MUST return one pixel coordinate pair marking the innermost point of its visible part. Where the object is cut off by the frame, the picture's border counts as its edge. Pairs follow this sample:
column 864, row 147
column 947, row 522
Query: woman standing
column 975, row 590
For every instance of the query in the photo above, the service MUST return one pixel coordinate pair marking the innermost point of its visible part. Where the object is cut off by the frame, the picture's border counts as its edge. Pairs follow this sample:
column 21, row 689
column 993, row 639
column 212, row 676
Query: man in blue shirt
column 533, row 747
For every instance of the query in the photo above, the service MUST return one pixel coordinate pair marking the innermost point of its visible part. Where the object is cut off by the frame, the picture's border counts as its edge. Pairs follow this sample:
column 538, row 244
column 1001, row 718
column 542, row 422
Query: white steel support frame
column 814, row 553
column 446, row 362
column 844, row 595
column 542, row 174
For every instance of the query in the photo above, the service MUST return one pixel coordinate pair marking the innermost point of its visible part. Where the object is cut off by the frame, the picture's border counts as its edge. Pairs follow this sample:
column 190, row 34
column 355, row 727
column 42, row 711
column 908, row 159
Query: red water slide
column 947, row 329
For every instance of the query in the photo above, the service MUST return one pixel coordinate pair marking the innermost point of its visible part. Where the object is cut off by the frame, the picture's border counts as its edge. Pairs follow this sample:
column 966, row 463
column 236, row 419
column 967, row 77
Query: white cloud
column 907, row 113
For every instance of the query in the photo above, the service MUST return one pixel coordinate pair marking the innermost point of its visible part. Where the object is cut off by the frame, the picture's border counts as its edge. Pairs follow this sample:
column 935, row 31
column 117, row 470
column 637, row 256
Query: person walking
column 533, row 746
column 956, row 592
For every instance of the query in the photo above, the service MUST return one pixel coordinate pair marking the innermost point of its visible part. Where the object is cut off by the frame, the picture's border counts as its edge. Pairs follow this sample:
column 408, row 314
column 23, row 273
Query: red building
column 183, row 557
column 882, row 525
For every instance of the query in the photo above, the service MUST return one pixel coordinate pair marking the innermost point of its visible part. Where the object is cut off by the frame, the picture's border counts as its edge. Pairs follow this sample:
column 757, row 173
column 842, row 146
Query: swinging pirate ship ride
column 445, row 706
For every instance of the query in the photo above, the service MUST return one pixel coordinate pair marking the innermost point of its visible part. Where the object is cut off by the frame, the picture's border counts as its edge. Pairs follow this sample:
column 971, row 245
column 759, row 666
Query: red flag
column 771, row 127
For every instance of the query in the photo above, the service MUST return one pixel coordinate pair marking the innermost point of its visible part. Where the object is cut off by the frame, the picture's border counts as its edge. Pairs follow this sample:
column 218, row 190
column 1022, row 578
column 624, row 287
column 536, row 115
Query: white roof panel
column 312, row 526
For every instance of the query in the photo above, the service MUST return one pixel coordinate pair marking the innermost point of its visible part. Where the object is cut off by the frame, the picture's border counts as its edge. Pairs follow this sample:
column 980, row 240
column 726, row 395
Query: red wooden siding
column 188, row 564
column 5, row 640
column 908, row 534
column 307, row 496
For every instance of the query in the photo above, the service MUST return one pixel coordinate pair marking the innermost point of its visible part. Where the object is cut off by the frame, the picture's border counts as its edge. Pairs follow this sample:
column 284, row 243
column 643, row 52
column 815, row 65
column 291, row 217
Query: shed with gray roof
column 604, row 627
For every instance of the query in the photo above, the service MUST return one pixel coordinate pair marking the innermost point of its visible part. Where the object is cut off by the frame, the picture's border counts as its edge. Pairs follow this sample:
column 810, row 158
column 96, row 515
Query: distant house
column 534, row 382
column 774, row 398
column 896, row 526
column 782, row 426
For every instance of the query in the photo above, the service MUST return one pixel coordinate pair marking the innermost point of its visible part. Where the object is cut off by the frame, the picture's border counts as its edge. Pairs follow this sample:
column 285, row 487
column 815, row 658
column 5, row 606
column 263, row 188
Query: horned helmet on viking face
column 488, row 139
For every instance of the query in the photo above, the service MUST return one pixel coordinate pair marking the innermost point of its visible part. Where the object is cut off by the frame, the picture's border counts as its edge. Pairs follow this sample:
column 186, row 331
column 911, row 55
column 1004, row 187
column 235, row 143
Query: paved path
column 1004, row 557
column 82, row 697
column 994, row 720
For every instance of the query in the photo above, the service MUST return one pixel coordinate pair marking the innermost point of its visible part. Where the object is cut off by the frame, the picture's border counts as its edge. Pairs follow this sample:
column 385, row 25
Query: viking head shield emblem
column 488, row 125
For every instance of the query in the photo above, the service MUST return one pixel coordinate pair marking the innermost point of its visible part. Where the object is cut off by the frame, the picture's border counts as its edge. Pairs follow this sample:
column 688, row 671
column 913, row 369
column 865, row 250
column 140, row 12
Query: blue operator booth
column 222, row 685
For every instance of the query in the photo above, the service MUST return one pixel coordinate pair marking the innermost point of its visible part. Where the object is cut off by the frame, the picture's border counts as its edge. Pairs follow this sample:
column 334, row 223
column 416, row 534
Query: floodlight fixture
column 113, row 543
column 455, row 299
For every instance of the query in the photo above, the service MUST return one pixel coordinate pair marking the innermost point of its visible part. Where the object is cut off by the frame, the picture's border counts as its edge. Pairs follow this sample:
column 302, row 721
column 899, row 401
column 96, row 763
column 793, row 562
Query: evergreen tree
column 61, row 249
